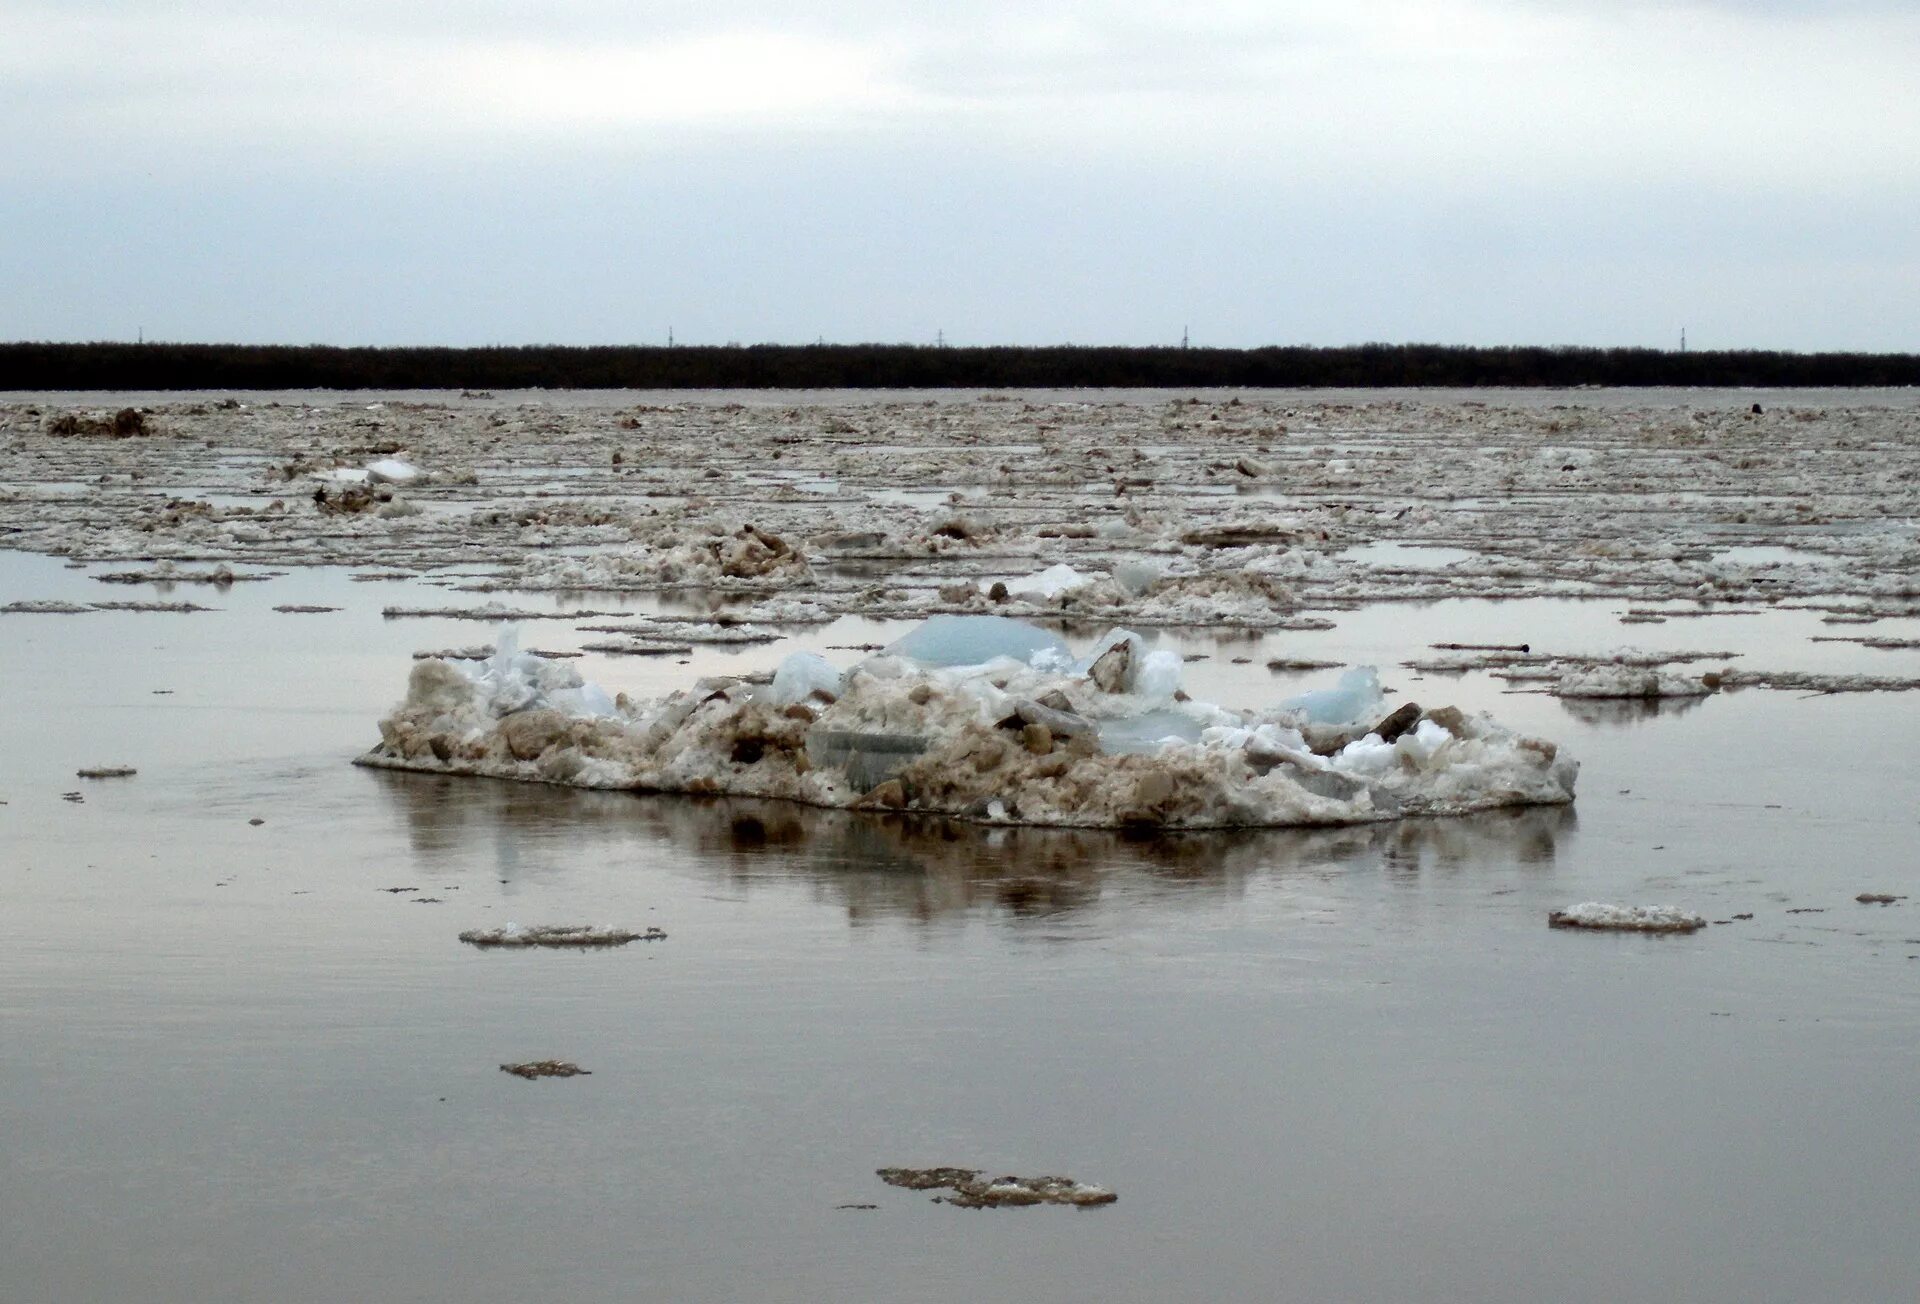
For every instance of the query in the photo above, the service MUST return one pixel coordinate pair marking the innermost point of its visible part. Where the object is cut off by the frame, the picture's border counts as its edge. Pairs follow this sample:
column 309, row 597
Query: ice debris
column 107, row 772
column 805, row 675
column 392, row 470
column 972, row 1191
column 1046, row 585
column 1024, row 733
column 533, row 1069
column 514, row 935
column 1627, row 919
column 1628, row 681
column 1355, row 697
column 976, row 640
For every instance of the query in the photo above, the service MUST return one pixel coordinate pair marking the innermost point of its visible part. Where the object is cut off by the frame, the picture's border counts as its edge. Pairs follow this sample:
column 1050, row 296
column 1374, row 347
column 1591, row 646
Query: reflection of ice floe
column 980, row 718
column 1627, row 710
column 924, row 870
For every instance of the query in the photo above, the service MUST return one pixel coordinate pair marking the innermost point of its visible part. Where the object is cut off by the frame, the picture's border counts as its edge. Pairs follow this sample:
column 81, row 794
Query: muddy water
column 1349, row 1065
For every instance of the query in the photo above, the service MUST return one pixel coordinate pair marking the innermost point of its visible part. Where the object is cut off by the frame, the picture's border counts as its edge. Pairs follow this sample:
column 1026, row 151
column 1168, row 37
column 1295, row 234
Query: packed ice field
column 1042, row 538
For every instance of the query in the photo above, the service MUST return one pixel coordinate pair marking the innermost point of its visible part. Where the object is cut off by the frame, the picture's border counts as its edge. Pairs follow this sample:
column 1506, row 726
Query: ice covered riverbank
column 981, row 718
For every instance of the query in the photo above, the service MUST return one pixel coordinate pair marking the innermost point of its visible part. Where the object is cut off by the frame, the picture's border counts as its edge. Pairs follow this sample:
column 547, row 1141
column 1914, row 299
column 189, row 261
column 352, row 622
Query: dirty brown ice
column 533, row 1069
column 972, row 1191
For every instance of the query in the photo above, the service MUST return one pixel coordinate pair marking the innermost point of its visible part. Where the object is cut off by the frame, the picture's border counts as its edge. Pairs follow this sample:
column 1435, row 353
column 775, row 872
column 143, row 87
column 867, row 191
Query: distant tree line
column 905, row 366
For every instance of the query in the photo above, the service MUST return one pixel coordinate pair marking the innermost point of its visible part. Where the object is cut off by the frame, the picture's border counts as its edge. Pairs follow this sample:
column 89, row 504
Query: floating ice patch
column 563, row 935
column 1627, row 681
column 1627, row 919
column 972, row 1191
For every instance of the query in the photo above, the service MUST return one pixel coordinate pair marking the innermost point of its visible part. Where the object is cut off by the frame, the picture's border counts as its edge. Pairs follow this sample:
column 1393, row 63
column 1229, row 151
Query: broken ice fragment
column 975, row 640
column 1044, row 586
column 1134, row 578
column 802, row 675
column 1355, row 698
column 546, row 1069
column 971, row 1191
column 392, row 470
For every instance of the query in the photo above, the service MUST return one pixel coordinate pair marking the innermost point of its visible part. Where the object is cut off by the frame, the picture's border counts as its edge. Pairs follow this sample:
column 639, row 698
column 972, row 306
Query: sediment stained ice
column 1023, row 734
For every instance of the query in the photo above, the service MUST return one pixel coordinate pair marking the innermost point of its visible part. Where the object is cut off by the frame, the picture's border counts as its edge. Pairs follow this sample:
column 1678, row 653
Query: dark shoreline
column 159, row 366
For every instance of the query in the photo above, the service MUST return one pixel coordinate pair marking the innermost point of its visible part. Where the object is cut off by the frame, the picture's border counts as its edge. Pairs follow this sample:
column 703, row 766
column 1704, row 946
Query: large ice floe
column 977, row 717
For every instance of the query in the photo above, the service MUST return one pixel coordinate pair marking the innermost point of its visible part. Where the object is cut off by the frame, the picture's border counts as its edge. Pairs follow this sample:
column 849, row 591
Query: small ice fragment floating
column 1628, row 681
column 557, row 935
column 977, row 717
column 972, row 1191
column 533, row 1069
column 1626, row 919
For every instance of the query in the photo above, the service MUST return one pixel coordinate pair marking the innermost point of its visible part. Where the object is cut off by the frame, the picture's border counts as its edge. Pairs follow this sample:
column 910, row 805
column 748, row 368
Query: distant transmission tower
column 1683, row 339
column 1185, row 340
column 669, row 337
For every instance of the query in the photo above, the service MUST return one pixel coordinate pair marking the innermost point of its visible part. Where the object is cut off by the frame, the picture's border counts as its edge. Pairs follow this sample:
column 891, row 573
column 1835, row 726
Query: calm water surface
column 1347, row 1065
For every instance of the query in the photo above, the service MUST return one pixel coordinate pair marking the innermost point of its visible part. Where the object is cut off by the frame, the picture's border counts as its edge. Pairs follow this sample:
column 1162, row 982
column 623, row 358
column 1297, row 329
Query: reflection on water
column 925, row 869
column 1619, row 711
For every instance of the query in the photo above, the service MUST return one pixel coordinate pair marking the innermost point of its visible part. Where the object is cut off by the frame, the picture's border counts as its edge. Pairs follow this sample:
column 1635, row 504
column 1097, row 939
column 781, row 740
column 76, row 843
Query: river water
column 1339, row 1065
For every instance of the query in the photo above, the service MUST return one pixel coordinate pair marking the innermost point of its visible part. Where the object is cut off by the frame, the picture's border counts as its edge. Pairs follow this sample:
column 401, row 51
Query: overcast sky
column 493, row 171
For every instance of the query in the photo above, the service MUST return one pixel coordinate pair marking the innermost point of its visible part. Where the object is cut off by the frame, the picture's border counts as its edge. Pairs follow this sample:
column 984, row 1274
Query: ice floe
column 1602, row 916
column 980, row 718
column 558, row 935
column 971, row 1190
column 1628, row 681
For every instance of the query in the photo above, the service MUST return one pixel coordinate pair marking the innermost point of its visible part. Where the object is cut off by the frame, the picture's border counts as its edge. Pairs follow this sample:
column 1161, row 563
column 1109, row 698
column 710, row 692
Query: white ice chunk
column 511, row 680
column 801, row 675
column 1157, row 675
column 391, row 470
column 1135, row 577
column 1048, row 584
column 1354, row 699
column 971, row 640
column 1425, row 739
column 1628, row 919
column 1369, row 755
